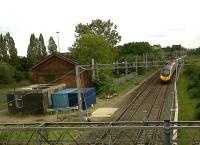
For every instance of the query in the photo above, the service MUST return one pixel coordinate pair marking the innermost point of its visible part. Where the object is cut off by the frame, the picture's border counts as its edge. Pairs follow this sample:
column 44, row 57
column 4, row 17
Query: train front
column 165, row 75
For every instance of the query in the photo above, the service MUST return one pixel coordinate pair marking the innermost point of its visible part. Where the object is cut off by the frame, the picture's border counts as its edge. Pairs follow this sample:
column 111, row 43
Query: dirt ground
column 116, row 102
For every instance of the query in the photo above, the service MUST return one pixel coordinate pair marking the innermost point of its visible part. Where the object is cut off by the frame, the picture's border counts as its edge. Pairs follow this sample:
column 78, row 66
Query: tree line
column 16, row 68
column 37, row 49
column 97, row 39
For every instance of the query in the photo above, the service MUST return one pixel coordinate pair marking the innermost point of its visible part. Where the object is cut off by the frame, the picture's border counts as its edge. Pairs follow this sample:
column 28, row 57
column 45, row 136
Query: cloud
column 4, row 29
column 158, row 35
column 177, row 29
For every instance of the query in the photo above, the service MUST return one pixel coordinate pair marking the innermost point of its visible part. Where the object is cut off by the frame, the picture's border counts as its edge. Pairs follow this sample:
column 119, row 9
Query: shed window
column 18, row 101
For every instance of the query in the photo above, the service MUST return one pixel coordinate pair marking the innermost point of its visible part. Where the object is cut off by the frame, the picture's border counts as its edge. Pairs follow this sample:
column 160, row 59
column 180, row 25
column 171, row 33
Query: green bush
column 193, row 86
column 7, row 73
column 141, row 70
column 194, row 92
column 198, row 111
column 18, row 76
column 105, row 82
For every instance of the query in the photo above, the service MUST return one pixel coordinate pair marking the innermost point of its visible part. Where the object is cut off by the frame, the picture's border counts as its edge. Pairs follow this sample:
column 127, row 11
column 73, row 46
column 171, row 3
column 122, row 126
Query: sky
column 164, row 22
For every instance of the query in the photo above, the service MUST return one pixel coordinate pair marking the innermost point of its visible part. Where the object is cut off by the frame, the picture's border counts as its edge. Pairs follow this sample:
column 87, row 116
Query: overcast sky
column 164, row 22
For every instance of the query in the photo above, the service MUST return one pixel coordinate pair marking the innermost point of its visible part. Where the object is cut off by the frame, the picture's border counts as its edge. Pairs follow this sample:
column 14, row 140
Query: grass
column 187, row 108
column 187, row 105
column 126, row 86
column 25, row 135
column 4, row 88
column 122, row 88
column 3, row 105
column 14, row 85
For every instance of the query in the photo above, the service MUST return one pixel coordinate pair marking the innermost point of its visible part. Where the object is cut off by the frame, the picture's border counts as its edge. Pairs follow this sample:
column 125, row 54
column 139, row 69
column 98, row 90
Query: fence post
column 146, row 61
column 145, row 119
column 153, row 63
column 126, row 70
column 167, row 132
column 136, row 69
column 176, row 78
column 93, row 70
column 117, row 67
column 97, row 71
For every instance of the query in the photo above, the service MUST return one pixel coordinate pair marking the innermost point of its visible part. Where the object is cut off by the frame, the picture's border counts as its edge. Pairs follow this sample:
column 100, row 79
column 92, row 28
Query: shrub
column 18, row 76
column 7, row 73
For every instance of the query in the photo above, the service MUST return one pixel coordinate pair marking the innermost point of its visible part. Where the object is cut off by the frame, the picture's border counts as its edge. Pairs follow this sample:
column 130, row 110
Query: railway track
column 150, row 91
column 153, row 114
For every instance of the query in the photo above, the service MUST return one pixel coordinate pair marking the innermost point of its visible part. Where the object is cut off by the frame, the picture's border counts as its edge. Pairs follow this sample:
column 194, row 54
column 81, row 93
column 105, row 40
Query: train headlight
column 161, row 77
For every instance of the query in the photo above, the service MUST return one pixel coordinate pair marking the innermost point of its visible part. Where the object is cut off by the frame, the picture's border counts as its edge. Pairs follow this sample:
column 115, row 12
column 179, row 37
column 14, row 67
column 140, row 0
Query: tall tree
column 32, row 49
column 1, row 47
column 38, row 49
column 4, row 50
column 104, row 28
column 52, row 47
column 42, row 46
column 10, row 46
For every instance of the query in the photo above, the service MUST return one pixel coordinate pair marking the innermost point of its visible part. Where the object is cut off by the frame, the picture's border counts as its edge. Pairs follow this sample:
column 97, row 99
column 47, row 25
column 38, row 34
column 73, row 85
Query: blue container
column 60, row 99
column 88, row 97
column 69, row 98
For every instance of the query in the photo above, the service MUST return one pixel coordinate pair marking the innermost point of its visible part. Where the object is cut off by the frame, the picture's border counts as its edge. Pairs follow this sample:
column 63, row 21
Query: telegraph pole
column 58, row 41
column 78, row 82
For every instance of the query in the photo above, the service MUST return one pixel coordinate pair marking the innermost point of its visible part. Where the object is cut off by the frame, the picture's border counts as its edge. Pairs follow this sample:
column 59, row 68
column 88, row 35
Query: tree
column 1, row 46
column 32, row 52
column 92, row 46
column 52, row 47
column 3, row 49
column 104, row 28
column 128, row 50
column 36, row 49
column 10, row 46
column 42, row 46
column 95, row 46
column 7, row 73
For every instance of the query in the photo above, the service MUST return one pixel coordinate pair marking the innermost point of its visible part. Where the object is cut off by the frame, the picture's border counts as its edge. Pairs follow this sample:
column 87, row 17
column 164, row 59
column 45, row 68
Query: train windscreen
column 165, row 72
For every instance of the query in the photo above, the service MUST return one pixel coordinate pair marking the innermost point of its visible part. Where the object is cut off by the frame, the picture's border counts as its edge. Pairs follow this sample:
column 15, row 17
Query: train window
column 165, row 72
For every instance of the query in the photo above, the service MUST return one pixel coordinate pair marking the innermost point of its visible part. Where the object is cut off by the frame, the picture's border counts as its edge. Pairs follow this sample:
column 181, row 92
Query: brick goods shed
column 59, row 68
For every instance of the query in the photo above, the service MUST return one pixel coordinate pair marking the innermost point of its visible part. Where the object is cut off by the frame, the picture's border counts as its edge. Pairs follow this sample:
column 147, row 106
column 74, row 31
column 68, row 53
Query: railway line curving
column 150, row 96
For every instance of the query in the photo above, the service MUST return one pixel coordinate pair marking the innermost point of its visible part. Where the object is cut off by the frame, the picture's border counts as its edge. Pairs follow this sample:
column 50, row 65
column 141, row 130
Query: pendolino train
column 167, row 72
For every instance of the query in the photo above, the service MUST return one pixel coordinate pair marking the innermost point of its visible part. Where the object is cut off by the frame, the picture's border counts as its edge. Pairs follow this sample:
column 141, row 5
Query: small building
column 59, row 68
column 69, row 98
column 34, row 99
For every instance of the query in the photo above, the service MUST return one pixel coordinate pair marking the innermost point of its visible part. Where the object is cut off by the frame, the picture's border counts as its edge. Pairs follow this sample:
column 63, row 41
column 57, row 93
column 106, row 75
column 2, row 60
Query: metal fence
column 76, row 133
column 124, row 78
